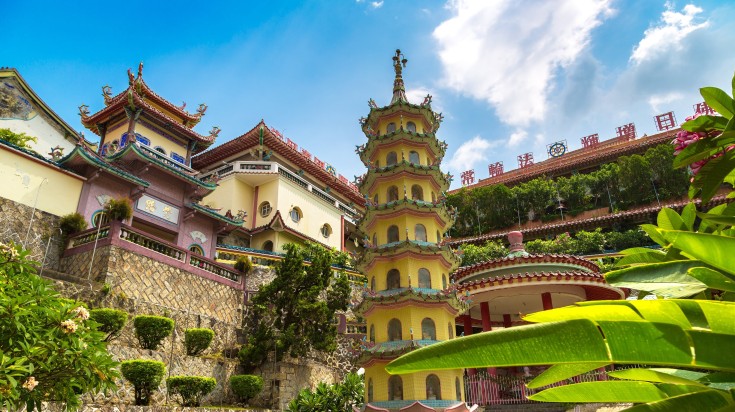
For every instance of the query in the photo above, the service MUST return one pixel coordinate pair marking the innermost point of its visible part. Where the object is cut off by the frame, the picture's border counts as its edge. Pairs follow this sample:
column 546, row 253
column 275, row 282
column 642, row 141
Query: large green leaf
column 670, row 220
column 710, row 177
column 653, row 375
column 719, row 101
column 654, row 234
column 713, row 279
column 563, row 371
column 666, row 279
column 709, row 400
column 642, row 256
column 604, row 391
column 705, row 123
column 717, row 251
column 717, row 219
column 592, row 312
column 702, row 149
column 689, row 215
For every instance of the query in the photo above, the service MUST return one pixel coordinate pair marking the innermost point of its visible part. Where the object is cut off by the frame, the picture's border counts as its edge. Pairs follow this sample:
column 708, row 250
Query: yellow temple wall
column 24, row 180
column 380, row 228
column 232, row 194
column 411, row 318
column 158, row 140
column 414, row 385
column 407, row 267
column 315, row 213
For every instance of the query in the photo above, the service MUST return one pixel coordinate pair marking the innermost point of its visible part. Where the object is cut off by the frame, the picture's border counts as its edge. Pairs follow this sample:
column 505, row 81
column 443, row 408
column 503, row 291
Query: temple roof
column 82, row 155
column 603, row 152
column 276, row 143
column 135, row 97
column 519, row 261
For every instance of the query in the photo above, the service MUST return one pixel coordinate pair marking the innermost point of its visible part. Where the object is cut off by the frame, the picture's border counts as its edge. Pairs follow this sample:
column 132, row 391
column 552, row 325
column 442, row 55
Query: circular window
column 196, row 249
column 326, row 230
column 265, row 209
column 296, row 214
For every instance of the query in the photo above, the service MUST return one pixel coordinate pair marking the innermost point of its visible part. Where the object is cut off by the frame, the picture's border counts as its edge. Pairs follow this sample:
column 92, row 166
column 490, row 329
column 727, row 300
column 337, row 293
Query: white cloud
column 470, row 153
column 507, row 52
column 376, row 4
column 667, row 36
column 517, row 137
column 417, row 96
column 657, row 100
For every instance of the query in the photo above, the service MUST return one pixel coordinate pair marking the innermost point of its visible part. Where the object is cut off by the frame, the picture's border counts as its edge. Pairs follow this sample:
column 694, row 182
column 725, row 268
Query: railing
column 89, row 236
column 201, row 263
column 152, row 244
column 288, row 175
column 165, row 159
column 485, row 389
column 356, row 329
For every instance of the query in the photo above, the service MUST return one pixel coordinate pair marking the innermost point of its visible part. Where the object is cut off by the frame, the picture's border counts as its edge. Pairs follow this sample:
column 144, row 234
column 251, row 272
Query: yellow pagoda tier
column 409, row 302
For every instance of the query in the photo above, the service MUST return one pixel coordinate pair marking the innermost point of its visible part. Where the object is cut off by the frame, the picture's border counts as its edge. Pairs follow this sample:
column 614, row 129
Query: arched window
column 196, row 249
column 372, row 284
column 411, row 127
column 413, row 157
column 428, row 329
column 420, row 232
column 395, row 388
column 417, row 192
column 457, row 389
column 372, row 333
column 393, row 234
column 390, row 128
column 392, row 193
column 450, row 330
column 393, row 279
column 370, row 390
column 433, row 387
column 296, row 214
column 160, row 149
column 100, row 218
column 375, row 199
column 326, row 230
column 424, row 278
column 268, row 245
column 394, row 330
column 391, row 159
column 444, row 281
column 265, row 209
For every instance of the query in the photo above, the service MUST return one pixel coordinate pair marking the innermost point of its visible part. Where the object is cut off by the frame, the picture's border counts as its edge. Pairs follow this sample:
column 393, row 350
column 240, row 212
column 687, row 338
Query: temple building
column 409, row 302
column 289, row 195
column 146, row 145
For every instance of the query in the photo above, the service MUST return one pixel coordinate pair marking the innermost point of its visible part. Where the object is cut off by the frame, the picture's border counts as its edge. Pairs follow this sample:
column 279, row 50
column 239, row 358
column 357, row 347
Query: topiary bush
column 197, row 340
column 145, row 375
column 72, row 223
column 246, row 386
column 191, row 388
column 119, row 209
column 111, row 321
column 151, row 330
column 243, row 264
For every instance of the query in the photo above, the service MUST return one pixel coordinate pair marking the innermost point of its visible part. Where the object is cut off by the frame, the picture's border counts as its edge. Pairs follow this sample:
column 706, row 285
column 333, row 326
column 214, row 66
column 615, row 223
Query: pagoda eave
column 439, row 180
column 448, row 259
column 406, row 207
column 408, row 297
column 378, row 113
column 401, row 137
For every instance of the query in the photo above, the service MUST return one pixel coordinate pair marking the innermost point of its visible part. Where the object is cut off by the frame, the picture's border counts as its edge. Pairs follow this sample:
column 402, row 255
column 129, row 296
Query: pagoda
column 409, row 303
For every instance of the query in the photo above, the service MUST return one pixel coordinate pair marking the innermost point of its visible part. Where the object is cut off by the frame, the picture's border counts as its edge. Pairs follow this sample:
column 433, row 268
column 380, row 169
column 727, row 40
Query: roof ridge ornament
column 399, row 90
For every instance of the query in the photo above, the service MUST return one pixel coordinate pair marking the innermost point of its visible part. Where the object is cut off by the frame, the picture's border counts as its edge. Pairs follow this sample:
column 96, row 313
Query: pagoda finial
column 399, row 90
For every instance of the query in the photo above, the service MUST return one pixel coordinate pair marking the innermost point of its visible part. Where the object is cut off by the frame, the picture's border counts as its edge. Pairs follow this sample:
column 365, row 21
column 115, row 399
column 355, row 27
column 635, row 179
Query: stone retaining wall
column 15, row 220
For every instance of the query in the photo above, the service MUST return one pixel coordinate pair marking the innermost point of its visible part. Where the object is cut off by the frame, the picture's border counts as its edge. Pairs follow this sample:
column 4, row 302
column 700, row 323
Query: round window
column 265, row 209
column 295, row 214
column 326, row 230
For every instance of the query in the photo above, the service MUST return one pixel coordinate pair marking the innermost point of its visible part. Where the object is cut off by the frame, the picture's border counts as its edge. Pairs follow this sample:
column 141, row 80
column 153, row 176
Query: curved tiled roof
column 577, row 159
column 251, row 139
column 466, row 271
column 88, row 156
column 212, row 213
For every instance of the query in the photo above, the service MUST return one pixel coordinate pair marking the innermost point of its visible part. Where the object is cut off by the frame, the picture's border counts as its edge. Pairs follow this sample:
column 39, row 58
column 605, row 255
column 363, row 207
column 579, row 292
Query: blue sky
column 510, row 76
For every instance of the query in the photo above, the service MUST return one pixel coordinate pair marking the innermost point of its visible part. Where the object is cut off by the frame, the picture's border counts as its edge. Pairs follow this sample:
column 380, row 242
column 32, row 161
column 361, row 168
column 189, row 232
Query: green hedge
column 111, row 321
column 246, row 386
column 191, row 388
column 145, row 375
column 151, row 330
column 197, row 340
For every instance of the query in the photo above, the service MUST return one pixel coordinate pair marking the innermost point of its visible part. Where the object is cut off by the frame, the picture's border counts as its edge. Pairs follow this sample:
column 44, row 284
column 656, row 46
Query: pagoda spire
column 399, row 90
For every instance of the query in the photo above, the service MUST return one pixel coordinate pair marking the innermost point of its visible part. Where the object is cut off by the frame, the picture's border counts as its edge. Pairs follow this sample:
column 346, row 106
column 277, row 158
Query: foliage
column 151, row 330
column 673, row 334
column 191, row 388
column 119, row 209
column 18, row 139
column 338, row 397
column 111, row 321
column 492, row 249
column 243, row 264
column 246, row 386
column 72, row 223
column 145, row 375
column 295, row 311
column 49, row 349
column 197, row 340
column 627, row 183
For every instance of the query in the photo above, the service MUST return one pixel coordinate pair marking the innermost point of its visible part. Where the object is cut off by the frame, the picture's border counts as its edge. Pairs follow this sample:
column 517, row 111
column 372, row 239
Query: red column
column 486, row 326
column 546, row 300
column 506, row 320
column 467, row 324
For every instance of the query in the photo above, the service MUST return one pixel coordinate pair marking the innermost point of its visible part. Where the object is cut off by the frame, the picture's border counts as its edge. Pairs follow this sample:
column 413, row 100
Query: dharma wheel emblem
column 557, row 149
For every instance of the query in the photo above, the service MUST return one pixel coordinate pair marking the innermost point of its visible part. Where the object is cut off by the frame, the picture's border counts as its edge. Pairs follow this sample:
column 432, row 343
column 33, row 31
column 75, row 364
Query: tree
column 635, row 180
column 339, row 397
column 492, row 249
column 49, row 349
column 295, row 312
column 18, row 139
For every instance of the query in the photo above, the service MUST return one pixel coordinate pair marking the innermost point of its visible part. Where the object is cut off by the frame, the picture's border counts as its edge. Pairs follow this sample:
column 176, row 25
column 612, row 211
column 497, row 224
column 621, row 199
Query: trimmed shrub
column 119, row 209
column 246, row 386
column 151, row 330
column 191, row 388
column 243, row 264
column 111, row 321
column 145, row 375
column 72, row 223
column 197, row 340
